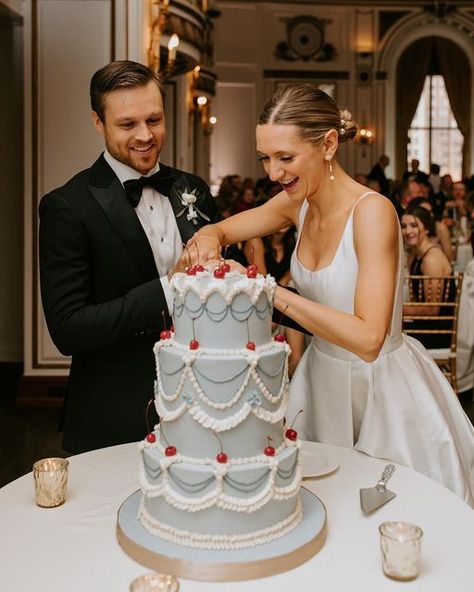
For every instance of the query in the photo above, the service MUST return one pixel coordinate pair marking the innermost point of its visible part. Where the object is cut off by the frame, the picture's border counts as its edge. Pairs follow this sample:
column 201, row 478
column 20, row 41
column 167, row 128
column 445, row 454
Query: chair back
column 428, row 292
column 438, row 297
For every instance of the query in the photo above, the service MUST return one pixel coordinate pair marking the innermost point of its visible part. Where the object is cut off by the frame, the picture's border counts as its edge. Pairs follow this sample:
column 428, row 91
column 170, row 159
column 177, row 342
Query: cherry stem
column 150, row 402
column 294, row 419
column 194, row 333
column 248, row 331
column 197, row 251
column 219, row 440
column 164, row 320
column 252, row 255
column 163, row 434
column 269, row 440
column 185, row 246
column 225, row 252
column 282, row 314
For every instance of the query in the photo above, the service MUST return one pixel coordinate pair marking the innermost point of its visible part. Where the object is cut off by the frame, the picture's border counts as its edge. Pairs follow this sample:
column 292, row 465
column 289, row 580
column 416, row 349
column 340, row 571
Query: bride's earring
column 331, row 173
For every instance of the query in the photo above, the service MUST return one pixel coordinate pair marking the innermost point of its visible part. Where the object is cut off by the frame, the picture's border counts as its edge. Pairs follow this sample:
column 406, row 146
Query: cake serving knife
column 372, row 498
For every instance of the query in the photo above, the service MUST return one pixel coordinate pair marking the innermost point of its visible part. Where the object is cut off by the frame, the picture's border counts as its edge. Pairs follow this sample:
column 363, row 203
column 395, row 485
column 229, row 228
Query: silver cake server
column 372, row 498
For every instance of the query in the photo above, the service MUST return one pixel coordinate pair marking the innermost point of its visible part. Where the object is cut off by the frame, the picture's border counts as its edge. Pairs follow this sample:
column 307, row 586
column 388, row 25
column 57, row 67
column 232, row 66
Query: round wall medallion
column 305, row 36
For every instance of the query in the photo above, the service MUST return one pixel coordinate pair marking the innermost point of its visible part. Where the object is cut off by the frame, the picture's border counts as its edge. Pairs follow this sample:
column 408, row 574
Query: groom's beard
column 132, row 157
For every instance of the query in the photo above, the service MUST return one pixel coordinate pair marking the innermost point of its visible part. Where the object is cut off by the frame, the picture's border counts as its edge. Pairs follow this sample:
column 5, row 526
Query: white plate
column 313, row 462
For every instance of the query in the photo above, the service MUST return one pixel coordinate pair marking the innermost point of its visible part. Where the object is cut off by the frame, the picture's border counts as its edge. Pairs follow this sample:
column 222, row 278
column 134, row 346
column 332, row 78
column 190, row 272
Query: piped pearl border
column 220, row 541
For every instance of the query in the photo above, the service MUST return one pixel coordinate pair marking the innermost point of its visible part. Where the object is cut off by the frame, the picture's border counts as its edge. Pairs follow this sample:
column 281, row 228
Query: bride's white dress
column 399, row 407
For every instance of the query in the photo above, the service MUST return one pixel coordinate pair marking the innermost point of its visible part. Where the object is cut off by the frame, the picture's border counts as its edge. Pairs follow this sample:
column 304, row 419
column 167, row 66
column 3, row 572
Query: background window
column 434, row 135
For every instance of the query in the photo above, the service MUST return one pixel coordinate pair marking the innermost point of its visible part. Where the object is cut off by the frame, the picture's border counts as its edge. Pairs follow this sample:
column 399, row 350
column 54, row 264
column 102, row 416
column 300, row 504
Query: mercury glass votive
column 155, row 582
column 50, row 476
column 400, row 543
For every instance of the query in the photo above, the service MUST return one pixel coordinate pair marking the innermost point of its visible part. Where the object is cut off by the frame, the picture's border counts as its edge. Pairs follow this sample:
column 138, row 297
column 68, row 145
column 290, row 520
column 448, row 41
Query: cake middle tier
column 210, row 400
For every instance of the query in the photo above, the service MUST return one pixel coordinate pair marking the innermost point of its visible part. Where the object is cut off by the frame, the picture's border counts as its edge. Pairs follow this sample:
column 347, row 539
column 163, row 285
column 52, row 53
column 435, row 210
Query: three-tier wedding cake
column 221, row 470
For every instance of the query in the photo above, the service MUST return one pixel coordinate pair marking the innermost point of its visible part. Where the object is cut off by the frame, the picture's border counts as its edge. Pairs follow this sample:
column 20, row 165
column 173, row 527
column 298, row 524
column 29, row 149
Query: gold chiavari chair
column 435, row 291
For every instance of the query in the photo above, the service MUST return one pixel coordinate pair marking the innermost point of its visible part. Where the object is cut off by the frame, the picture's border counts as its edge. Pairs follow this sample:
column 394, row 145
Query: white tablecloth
column 73, row 548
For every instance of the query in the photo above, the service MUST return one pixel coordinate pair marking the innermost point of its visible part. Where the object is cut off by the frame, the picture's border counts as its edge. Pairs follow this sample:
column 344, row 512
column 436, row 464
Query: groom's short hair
column 119, row 74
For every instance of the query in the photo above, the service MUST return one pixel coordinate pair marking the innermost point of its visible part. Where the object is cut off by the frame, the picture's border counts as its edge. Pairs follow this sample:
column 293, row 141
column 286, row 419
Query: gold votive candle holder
column 50, row 476
column 155, row 582
column 400, row 544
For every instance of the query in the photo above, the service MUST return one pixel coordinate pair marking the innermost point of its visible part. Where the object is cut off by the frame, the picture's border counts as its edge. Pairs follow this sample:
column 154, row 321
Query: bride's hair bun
column 311, row 110
column 348, row 128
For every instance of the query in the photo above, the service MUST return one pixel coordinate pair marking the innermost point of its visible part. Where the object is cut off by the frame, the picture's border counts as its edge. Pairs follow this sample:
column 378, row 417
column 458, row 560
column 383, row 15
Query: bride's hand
column 202, row 248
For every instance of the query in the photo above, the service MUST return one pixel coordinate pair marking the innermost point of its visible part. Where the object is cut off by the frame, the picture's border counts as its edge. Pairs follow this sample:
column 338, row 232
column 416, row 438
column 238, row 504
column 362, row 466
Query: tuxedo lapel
column 111, row 196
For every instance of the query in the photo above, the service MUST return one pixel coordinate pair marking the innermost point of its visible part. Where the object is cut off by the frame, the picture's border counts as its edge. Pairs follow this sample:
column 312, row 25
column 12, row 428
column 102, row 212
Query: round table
column 74, row 548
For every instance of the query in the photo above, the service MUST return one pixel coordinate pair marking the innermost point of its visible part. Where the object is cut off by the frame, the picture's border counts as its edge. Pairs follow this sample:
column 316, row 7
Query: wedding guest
column 414, row 172
column 361, row 382
column 441, row 235
column 377, row 173
column 427, row 259
column 245, row 200
column 434, row 177
column 107, row 240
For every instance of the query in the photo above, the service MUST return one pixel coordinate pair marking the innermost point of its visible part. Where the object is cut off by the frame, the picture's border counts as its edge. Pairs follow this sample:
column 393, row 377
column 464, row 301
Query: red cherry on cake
column 172, row 329
column 251, row 273
column 226, row 267
column 269, row 451
column 191, row 271
column 170, row 450
column 151, row 438
column 280, row 338
column 199, row 267
column 291, row 434
column 252, row 267
column 219, row 273
column 250, row 345
column 194, row 344
column 166, row 334
column 222, row 457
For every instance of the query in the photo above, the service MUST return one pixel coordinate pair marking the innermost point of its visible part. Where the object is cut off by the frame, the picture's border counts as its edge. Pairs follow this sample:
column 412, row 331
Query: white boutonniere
column 189, row 199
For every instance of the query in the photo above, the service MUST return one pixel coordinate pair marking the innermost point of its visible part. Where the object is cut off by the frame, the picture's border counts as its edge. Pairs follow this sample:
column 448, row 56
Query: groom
column 108, row 240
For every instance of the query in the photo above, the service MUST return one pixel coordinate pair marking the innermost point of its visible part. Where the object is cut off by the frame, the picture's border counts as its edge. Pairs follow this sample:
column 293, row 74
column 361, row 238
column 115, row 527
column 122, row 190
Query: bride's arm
column 376, row 246
column 276, row 213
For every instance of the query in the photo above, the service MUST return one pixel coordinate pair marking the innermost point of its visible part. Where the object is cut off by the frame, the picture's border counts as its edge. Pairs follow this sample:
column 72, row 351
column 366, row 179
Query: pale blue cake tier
column 219, row 378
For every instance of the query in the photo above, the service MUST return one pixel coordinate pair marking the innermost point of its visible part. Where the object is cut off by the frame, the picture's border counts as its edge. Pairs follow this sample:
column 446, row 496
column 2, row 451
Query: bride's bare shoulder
column 375, row 221
column 377, row 207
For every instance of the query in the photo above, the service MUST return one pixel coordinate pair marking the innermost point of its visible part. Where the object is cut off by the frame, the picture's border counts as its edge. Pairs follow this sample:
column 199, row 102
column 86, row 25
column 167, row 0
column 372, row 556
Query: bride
column 361, row 382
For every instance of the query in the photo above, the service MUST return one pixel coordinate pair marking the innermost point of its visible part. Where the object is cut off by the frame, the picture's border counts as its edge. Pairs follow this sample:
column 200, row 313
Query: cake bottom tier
column 235, row 530
column 220, row 506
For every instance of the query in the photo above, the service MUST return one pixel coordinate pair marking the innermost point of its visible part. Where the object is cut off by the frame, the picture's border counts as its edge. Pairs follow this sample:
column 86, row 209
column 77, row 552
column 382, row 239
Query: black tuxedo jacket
column 103, row 299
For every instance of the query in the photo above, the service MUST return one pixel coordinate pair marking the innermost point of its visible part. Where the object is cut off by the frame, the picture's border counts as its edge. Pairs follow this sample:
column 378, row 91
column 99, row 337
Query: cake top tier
column 204, row 284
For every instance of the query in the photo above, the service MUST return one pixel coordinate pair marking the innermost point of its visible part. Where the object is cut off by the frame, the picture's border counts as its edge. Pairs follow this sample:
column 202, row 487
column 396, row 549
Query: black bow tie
column 134, row 187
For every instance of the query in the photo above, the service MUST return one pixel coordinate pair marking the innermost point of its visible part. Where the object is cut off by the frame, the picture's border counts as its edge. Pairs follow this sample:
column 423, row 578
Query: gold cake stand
column 278, row 556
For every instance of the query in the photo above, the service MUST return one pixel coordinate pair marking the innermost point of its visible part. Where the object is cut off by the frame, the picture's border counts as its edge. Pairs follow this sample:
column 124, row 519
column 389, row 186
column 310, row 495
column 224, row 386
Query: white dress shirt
column 158, row 221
